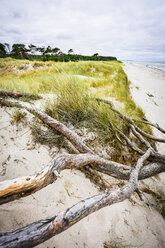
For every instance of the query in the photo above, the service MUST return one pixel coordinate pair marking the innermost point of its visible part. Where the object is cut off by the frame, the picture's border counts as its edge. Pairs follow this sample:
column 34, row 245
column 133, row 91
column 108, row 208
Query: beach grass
column 76, row 85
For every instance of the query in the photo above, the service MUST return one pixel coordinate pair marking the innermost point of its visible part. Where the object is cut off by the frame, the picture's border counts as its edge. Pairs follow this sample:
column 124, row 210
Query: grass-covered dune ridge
column 76, row 86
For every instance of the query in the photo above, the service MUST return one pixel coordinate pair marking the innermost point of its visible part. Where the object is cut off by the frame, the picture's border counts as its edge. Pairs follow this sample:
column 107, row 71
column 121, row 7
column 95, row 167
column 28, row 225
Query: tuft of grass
column 30, row 98
column 17, row 116
column 45, row 136
column 75, row 104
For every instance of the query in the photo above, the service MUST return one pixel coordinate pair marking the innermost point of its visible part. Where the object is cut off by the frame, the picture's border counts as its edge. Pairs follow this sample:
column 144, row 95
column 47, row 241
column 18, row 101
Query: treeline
column 32, row 52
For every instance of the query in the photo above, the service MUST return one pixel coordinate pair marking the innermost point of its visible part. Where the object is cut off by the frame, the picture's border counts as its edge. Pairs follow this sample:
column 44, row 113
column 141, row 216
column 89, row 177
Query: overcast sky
column 127, row 29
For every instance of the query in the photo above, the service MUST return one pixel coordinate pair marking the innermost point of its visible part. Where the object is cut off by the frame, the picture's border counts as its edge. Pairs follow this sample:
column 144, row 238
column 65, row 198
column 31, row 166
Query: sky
column 127, row 29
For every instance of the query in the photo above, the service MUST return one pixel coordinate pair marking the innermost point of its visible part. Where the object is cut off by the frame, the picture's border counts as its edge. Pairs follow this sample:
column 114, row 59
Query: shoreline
column 147, row 64
column 148, row 91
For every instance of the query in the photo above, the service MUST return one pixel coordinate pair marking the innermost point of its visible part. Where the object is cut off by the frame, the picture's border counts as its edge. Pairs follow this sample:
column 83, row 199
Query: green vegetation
column 17, row 116
column 32, row 52
column 75, row 86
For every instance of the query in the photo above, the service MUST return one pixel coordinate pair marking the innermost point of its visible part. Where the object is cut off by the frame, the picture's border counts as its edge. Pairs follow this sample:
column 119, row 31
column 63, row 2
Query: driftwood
column 131, row 122
column 68, row 133
column 42, row 230
column 11, row 190
column 18, row 94
column 156, row 125
column 56, row 125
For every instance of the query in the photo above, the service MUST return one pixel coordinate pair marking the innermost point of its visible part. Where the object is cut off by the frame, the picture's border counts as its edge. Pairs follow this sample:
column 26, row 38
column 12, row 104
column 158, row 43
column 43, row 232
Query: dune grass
column 76, row 85
column 107, row 79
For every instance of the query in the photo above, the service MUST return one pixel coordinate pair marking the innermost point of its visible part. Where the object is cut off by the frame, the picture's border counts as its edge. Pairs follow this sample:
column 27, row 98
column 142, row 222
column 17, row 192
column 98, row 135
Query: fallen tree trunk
column 40, row 231
column 11, row 190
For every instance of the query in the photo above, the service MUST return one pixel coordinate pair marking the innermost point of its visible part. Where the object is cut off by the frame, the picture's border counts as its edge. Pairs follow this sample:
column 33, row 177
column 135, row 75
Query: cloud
column 129, row 29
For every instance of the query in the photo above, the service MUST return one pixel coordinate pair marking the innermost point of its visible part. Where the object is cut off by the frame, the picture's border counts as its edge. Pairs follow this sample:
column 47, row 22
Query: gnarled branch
column 40, row 231
column 130, row 121
column 70, row 134
column 20, row 187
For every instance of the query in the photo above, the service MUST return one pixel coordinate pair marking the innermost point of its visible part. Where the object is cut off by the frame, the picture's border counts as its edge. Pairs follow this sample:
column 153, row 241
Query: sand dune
column 131, row 222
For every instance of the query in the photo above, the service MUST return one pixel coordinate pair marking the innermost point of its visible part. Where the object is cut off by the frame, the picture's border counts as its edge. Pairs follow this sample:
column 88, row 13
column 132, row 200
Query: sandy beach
column 148, row 91
column 132, row 222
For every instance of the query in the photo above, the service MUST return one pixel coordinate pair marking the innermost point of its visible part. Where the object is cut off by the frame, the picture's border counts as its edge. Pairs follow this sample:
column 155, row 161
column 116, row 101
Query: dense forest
column 48, row 53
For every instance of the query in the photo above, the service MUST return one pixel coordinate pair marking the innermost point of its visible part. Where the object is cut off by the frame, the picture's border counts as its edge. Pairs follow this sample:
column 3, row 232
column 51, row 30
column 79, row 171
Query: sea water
column 157, row 65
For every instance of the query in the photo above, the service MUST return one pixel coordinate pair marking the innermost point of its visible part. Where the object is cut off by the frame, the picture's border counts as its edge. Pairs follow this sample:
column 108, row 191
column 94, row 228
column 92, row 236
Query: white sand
column 148, row 91
column 129, row 223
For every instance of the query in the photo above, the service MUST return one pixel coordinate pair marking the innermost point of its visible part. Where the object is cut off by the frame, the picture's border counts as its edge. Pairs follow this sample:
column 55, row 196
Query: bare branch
column 149, row 135
column 129, row 143
column 154, row 157
column 58, row 126
column 20, row 187
column 11, row 190
column 156, row 125
column 40, row 231
column 143, row 141
column 130, row 121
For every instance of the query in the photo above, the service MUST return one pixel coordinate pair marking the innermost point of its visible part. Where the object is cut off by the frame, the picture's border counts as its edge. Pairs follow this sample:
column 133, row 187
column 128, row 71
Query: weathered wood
column 139, row 136
column 17, row 94
column 20, row 187
column 154, row 157
column 130, row 121
column 51, row 122
column 156, row 125
column 70, row 134
column 11, row 190
column 40, row 231
column 147, row 135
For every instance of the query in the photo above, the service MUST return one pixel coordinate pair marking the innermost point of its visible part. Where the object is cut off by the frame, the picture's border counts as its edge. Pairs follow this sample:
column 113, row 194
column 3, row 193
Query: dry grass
column 75, row 95
column 17, row 116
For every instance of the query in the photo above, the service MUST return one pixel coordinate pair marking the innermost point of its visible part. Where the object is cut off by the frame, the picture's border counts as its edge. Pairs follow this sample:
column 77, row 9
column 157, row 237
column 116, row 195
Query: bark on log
column 11, row 190
column 40, row 231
